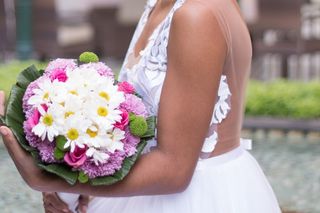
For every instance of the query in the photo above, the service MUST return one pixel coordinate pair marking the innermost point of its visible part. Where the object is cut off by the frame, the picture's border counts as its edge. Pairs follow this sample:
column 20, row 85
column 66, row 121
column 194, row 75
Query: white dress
column 229, row 183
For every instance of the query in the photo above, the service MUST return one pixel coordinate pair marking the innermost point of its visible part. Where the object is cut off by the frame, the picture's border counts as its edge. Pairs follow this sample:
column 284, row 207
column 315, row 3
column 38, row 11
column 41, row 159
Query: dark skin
column 185, row 110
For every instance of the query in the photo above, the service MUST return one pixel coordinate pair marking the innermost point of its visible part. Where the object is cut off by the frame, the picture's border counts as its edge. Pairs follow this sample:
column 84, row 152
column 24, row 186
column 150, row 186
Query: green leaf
column 14, row 113
column 2, row 121
column 27, row 76
column 15, row 116
column 62, row 171
column 60, row 142
column 58, row 154
column 123, row 172
column 83, row 178
column 151, row 121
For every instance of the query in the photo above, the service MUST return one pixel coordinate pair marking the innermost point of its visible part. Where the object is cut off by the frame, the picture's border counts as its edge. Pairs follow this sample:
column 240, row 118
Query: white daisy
column 102, row 114
column 59, row 92
column 50, row 123
column 109, row 93
column 74, row 130
column 83, row 81
column 94, row 137
column 43, row 94
column 97, row 156
column 72, row 105
column 115, row 142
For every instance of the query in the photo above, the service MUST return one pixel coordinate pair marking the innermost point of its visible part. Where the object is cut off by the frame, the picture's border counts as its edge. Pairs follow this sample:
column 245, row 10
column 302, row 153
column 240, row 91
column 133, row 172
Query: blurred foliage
column 10, row 71
column 284, row 99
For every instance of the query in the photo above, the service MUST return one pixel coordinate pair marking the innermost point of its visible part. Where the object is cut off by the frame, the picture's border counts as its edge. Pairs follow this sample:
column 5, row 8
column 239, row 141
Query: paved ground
column 291, row 165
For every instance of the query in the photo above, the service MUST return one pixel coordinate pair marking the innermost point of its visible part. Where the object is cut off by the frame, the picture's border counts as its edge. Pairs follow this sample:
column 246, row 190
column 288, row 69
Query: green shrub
column 284, row 99
column 10, row 71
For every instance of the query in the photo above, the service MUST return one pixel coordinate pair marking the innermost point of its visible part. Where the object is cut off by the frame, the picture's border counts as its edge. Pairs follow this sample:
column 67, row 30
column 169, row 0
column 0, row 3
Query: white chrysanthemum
column 101, row 114
column 83, row 81
column 114, row 143
column 59, row 92
column 43, row 94
column 97, row 156
column 95, row 137
column 75, row 128
column 109, row 93
column 50, row 122
column 72, row 105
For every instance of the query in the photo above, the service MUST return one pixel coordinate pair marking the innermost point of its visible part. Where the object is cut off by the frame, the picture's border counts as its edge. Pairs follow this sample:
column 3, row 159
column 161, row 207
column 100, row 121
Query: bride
column 190, row 60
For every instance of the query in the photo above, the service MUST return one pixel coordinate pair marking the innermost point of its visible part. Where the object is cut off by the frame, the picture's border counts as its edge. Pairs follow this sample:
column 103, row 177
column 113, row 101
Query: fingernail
column 3, row 132
column 65, row 210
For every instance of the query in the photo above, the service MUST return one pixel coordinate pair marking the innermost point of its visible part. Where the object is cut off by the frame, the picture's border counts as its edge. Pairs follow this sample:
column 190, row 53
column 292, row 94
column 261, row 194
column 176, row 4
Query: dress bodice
column 147, row 73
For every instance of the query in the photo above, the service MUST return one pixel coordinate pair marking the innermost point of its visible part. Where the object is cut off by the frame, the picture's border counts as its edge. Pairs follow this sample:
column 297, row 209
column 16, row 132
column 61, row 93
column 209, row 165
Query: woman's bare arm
column 196, row 56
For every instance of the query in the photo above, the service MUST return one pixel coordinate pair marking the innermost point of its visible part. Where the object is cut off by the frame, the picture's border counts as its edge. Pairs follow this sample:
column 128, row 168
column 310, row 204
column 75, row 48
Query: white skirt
column 229, row 183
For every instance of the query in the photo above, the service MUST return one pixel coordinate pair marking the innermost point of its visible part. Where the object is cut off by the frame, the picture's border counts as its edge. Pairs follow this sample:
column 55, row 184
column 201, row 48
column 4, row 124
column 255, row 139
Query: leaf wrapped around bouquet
column 78, row 122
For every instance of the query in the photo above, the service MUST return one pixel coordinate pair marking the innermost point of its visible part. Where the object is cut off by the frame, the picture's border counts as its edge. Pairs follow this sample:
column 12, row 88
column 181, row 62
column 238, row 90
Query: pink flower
column 33, row 120
column 45, row 107
column 60, row 63
column 134, row 104
column 76, row 158
column 126, row 87
column 124, row 120
column 58, row 74
column 102, row 68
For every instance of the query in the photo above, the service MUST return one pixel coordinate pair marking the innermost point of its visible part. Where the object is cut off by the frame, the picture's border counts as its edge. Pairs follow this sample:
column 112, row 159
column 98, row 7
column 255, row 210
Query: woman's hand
column 33, row 175
column 53, row 204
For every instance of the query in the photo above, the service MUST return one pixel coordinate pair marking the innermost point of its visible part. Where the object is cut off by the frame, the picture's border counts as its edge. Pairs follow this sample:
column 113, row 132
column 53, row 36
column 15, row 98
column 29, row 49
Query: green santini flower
column 138, row 126
column 88, row 57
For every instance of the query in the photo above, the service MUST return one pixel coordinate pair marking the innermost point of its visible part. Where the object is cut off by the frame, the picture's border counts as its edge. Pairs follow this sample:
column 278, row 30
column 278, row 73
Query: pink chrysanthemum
column 27, row 109
column 46, row 151
column 60, row 64
column 115, row 161
column 102, row 68
column 130, row 143
column 112, row 166
column 134, row 104
column 45, row 148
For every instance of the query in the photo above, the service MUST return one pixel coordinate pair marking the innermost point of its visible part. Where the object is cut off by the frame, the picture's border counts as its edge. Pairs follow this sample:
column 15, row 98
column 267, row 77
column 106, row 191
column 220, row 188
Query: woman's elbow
column 180, row 181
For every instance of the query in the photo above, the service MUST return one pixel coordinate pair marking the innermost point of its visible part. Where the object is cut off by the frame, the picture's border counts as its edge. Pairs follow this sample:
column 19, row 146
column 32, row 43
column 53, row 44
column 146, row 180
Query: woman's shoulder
column 195, row 12
column 196, row 15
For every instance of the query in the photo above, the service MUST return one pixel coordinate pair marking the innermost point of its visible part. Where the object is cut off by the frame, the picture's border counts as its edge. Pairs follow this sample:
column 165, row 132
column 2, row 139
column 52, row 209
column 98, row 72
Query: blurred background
column 283, row 98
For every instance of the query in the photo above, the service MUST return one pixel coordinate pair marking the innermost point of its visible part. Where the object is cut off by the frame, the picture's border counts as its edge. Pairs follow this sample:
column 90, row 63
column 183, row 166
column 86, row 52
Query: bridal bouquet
column 78, row 122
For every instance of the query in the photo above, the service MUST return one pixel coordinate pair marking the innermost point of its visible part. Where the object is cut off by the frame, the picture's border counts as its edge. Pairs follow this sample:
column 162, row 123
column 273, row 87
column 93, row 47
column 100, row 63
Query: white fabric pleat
column 230, row 183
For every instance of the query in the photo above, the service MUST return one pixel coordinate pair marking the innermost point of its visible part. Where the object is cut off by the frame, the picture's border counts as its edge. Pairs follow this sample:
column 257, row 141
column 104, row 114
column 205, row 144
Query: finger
column 54, row 200
column 12, row 145
column 52, row 209
column 2, row 102
column 83, row 203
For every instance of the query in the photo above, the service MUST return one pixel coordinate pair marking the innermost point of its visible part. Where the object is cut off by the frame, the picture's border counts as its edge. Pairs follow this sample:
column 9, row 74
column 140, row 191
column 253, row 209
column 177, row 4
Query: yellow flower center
column 47, row 120
column 73, row 92
column 46, row 96
column 105, row 95
column 73, row 134
column 91, row 133
column 67, row 114
column 102, row 111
